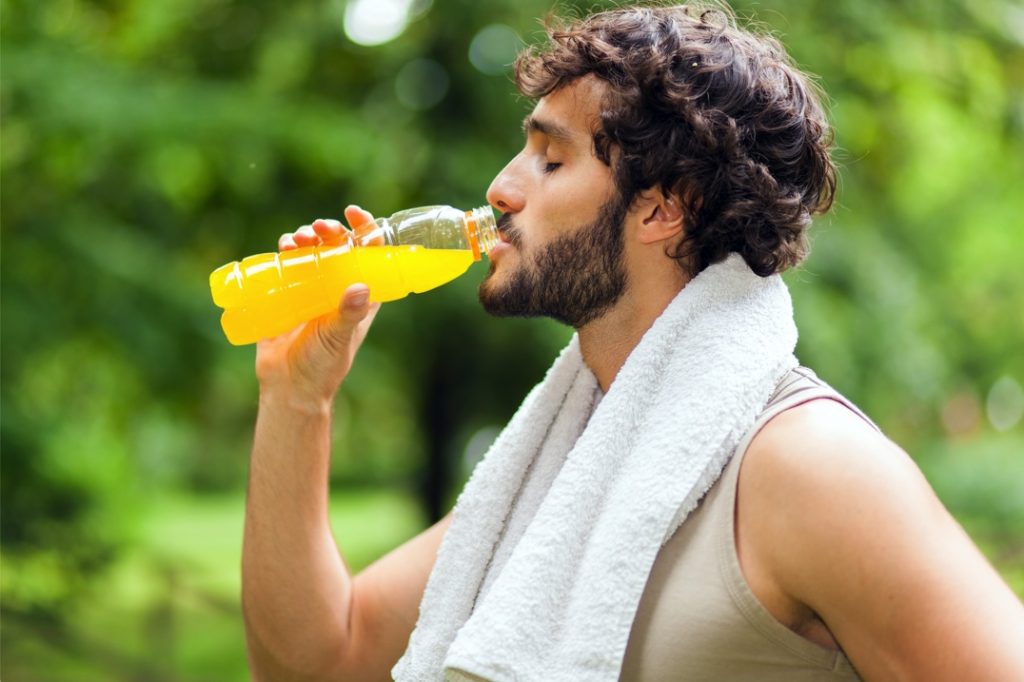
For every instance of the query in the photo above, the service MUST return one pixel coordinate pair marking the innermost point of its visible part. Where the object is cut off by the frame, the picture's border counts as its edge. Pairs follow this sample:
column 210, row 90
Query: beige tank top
column 697, row 618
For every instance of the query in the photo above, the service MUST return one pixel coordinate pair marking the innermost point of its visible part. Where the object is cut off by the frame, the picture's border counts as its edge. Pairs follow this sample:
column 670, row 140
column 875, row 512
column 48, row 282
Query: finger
column 286, row 241
column 357, row 217
column 363, row 225
column 363, row 326
column 305, row 236
column 356, row 298
column 341, row 333
column 330, row 231
column 360, row 313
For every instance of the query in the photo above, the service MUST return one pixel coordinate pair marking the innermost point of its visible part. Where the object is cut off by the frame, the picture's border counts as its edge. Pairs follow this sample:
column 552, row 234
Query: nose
column 505, row 192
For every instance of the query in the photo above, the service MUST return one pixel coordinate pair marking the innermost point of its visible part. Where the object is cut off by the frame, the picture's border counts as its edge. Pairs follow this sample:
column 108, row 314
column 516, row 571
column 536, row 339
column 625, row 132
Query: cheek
column 581, row 193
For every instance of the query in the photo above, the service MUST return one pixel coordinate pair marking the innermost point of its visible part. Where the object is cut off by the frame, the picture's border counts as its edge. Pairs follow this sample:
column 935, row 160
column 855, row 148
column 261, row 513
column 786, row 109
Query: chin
column 496, row 276
column 488, row 287
column 492, row 289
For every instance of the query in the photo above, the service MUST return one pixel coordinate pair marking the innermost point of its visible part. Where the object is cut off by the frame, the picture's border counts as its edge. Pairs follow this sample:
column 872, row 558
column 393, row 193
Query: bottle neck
column 381, row 234
column 482, row 230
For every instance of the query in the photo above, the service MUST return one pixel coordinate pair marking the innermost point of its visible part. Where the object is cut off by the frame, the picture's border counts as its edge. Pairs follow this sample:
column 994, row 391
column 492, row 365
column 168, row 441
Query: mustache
column 509, row 230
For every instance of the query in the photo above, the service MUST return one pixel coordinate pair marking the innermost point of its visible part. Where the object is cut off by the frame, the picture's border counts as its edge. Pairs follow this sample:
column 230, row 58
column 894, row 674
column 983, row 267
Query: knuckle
column 334, row 343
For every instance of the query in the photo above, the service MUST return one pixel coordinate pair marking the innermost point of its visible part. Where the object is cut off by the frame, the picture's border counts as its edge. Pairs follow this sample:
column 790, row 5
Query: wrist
column 291, row 400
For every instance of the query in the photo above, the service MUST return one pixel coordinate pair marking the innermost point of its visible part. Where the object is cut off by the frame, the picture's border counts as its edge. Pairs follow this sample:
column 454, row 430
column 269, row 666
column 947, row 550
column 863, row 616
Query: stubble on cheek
column 573, row 279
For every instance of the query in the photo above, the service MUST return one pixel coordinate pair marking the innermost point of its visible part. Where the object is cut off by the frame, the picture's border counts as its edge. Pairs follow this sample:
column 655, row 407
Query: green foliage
column 144, row 143
column 172, row 600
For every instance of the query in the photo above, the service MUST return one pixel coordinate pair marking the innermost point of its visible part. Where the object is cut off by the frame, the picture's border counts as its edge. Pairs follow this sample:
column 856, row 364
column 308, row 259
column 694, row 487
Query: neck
column 606, row 342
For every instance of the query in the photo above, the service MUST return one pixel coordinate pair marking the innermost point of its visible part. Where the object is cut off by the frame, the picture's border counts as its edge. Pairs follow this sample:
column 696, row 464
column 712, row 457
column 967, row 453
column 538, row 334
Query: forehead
column 572, row 111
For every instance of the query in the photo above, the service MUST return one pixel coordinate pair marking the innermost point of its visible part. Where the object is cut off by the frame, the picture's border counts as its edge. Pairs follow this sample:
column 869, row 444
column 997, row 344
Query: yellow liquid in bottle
column 269, row 293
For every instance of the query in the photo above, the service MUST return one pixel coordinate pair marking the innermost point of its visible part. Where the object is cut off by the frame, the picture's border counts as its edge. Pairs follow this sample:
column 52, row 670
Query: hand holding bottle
column 308, row 363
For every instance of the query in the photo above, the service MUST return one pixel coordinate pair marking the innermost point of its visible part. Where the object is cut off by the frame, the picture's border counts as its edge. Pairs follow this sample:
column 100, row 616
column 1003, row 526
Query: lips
column 507, row 235
column 502, row 245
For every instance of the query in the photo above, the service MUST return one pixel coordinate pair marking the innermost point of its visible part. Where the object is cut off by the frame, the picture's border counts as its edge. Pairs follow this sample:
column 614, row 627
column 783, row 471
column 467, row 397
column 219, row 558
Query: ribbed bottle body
column 411, row 251
column 268, row 294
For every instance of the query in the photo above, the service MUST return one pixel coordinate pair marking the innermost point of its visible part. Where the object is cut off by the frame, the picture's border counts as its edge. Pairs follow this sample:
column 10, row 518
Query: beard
column 574, row 279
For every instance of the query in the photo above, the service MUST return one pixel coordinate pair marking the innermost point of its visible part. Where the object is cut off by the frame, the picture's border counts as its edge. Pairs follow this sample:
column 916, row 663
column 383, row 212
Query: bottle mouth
column 482, row 230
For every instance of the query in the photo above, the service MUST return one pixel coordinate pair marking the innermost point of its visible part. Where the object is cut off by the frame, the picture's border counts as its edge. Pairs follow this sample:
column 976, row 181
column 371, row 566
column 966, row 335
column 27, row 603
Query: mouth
column 507, row 236
column 497, row 250
column 507, row 232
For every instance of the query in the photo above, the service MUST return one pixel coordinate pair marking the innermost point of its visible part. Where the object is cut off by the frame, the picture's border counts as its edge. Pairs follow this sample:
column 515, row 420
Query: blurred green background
column 145, row 142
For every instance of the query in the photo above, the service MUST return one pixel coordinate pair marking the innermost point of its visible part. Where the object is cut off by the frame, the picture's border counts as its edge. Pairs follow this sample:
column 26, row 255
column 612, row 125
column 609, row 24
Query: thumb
column 353, row 309
column 354, row 302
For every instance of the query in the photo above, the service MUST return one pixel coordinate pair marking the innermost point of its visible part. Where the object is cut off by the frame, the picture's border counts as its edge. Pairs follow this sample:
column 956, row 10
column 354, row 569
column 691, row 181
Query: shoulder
column 845, row 523
column 819, row 486
column 818, row 478
column 821, row 448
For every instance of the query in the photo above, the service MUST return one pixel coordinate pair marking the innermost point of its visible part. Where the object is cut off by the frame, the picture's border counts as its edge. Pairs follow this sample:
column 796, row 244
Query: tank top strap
column 800, row 385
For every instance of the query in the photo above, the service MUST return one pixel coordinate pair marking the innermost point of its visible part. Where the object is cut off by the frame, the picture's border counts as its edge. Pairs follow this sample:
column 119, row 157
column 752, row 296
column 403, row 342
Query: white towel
column 563, row 605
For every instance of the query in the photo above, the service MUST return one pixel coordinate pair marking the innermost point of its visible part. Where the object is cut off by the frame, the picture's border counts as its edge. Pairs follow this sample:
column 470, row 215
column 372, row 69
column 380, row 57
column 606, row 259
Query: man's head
column 686, row 120
column 562, row 220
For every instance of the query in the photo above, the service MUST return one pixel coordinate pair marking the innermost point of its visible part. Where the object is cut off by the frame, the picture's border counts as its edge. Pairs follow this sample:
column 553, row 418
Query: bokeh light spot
column 421, row 84
column 375, row 22
column 494, row 48
column 961, row 414
column 1005, row 404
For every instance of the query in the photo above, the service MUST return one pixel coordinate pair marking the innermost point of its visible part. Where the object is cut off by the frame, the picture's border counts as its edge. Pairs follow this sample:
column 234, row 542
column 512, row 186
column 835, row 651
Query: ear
column 661, row 216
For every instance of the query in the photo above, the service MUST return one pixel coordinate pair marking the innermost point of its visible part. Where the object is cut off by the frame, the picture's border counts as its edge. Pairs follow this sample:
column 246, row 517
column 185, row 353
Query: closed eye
column 551, row 167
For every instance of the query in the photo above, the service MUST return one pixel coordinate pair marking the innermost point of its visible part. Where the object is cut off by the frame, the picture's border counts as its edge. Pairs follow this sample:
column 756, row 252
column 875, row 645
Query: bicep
column 385, row 603
column 913, row 598
column 866, row 544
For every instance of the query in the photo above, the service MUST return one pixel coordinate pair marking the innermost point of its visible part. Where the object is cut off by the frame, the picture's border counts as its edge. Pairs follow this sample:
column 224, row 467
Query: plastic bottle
column 411, row 251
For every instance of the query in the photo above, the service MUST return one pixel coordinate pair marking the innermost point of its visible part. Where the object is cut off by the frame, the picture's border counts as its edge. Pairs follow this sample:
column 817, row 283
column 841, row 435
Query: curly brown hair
column 708, row 112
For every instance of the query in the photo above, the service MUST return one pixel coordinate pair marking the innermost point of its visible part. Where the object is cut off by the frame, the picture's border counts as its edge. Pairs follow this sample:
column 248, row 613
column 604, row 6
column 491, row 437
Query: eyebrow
column 531, row 124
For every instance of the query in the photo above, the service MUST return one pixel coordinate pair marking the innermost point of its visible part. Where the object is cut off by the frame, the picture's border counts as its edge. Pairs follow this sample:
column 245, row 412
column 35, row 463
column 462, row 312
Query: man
column 662, row 141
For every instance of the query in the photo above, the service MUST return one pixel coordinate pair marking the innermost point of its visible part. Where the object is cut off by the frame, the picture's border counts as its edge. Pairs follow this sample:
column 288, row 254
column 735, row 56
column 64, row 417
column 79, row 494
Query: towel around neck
column 564, row 602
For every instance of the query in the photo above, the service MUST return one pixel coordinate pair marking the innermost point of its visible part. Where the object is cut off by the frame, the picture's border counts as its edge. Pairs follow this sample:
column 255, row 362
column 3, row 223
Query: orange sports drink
column 419, row 249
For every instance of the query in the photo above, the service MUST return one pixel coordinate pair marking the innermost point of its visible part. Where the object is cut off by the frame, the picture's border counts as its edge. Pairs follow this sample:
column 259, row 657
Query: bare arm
column 306, row 618
column 850, row 528
column 296, row 590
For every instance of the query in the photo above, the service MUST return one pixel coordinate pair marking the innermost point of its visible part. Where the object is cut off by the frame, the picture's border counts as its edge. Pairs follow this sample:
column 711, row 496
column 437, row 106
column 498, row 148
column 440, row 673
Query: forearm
column 296, row 589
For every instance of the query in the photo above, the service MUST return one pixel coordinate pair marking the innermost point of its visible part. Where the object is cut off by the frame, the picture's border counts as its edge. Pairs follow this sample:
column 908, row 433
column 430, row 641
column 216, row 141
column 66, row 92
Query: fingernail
column 359, row 299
